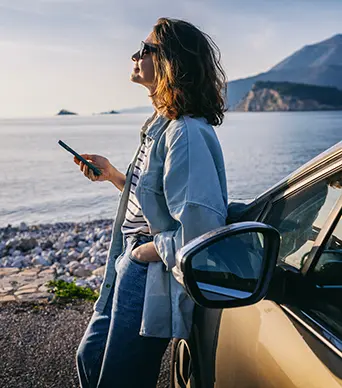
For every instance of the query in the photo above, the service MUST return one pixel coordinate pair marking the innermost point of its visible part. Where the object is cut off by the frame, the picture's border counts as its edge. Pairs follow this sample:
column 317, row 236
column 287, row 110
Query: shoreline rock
column 289, row 97
column 32, row 255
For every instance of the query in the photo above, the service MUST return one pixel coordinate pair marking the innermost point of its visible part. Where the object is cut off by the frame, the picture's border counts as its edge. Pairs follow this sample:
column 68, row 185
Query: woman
column 174, row 190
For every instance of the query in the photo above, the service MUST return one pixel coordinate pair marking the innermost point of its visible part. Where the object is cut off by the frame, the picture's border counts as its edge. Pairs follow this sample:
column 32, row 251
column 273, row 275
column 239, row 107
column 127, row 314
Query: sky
column 75, row 54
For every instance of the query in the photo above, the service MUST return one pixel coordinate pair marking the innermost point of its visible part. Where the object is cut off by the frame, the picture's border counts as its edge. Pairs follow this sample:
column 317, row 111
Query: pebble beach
column 32, row 255
column 39, row 339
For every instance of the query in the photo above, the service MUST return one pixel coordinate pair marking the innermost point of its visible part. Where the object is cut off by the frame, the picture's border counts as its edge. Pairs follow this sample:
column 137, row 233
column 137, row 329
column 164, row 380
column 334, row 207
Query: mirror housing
column 216, row 291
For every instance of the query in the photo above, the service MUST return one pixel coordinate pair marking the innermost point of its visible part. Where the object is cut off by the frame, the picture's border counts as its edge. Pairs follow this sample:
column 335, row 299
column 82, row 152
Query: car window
column 324, row 302
column 300, row 218
column 328, row 271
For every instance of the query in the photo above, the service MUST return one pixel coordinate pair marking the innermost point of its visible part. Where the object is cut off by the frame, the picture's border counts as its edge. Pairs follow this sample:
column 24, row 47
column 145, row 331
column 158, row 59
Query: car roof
column 330, row 156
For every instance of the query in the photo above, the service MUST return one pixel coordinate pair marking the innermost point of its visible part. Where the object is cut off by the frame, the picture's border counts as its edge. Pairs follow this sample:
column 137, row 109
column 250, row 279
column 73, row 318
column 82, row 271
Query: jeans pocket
column 117, row 262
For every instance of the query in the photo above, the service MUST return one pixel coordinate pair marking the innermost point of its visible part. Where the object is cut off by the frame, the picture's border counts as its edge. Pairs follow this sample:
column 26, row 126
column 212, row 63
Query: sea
column 40, row 183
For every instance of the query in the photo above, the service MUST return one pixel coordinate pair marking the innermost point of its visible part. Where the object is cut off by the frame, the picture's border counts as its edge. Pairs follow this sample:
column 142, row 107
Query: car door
column 284, row 340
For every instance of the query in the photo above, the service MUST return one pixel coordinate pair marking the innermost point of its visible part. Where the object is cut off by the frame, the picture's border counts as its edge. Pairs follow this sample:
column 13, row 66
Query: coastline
column 32, row 255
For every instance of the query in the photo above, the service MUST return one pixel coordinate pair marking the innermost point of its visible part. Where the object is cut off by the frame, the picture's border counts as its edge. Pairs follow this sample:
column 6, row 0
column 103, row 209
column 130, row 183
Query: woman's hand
column 146, row 252
column 98, row 161
column 109, row 172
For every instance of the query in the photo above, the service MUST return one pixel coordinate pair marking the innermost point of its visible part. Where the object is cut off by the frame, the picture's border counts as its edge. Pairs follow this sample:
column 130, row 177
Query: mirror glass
column 229, row 268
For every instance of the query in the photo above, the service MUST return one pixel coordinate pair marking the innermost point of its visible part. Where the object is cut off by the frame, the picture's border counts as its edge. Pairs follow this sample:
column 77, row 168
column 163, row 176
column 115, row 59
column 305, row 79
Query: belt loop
column 124, row 243
column 137, row 241
column 134, row 241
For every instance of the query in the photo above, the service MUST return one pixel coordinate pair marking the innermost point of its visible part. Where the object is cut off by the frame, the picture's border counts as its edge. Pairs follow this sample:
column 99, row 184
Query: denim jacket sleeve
column 194, row 193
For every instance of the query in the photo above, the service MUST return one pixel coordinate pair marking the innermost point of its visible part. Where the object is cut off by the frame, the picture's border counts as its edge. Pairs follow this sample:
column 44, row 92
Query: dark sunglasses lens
column 136, row 56
column 141, row 52
column 144, row 49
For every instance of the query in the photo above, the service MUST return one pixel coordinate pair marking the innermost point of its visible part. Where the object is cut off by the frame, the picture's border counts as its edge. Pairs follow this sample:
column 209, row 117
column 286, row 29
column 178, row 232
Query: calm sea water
column 39, row 182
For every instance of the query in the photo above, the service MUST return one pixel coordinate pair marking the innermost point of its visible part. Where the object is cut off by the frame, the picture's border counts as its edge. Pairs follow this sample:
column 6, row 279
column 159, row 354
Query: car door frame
column 319, row 330
column 319, row 168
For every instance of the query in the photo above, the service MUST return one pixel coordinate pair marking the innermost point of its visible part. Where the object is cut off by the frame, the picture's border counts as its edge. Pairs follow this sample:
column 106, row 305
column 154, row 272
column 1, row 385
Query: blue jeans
column 112, row 354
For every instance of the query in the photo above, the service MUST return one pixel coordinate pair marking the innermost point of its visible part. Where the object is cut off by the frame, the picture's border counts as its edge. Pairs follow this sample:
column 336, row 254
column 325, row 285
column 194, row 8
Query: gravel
column 38, row 345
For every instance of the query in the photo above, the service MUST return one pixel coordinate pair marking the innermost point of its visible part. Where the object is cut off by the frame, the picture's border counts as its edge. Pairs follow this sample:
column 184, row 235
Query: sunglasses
column 145, row 48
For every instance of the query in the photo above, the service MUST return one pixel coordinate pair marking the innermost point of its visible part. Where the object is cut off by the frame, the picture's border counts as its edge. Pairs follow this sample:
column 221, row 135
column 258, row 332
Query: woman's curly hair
column 189, row 77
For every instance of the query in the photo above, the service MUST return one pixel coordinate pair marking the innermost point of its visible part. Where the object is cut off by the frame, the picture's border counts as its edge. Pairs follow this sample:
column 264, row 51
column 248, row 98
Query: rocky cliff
column 287, row 96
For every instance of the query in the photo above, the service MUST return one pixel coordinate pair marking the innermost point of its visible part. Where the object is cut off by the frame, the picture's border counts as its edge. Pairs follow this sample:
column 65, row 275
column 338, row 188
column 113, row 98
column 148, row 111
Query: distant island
column 139, row 109
column 268, row 96
column 64, row 112
column 110, row 112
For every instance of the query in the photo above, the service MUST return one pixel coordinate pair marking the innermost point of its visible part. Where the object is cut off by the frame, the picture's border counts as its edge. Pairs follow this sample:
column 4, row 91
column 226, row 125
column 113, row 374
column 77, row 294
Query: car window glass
column 300, row 218
column 324, row 302
column 328, row 271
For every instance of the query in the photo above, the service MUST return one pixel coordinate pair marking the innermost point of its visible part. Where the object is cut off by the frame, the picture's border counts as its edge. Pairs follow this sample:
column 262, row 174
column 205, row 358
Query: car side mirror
column 231, row 266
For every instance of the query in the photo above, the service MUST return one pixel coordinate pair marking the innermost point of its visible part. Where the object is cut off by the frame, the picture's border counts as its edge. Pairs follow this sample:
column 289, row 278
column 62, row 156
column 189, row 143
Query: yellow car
column 268, row 288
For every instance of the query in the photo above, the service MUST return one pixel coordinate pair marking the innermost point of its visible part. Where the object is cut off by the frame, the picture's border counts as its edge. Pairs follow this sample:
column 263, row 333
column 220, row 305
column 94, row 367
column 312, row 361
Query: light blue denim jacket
column 183, row 194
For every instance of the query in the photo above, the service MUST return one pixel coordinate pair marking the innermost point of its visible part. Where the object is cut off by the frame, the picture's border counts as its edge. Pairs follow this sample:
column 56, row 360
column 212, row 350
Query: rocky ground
column 38, row 345
column 38, row 339
column 32, row 255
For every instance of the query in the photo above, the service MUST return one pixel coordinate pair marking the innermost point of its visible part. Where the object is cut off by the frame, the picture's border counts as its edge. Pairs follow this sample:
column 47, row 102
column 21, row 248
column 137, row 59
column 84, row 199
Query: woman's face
column 143, row 70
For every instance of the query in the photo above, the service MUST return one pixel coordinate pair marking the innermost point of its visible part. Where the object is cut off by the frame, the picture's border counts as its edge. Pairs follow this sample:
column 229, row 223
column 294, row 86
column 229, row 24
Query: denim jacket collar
column 159, row 123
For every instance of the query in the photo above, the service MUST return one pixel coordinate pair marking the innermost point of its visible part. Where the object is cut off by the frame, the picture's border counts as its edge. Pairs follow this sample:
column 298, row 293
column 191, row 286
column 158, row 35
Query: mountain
column 286, row 96
column 316, row 64
column 326, row 53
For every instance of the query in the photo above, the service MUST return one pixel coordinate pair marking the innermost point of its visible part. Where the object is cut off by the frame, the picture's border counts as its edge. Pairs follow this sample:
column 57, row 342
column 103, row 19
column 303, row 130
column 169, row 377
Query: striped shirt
column 135, row 222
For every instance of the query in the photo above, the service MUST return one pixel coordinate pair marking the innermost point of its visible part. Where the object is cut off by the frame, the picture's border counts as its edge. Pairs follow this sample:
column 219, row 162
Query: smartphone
column 96, row 171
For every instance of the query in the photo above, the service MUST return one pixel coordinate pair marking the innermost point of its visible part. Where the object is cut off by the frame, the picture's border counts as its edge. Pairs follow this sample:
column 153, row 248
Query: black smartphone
column 96, row 171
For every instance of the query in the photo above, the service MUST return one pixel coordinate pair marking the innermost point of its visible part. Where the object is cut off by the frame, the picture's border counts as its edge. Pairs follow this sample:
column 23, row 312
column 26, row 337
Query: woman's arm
column 117, row 178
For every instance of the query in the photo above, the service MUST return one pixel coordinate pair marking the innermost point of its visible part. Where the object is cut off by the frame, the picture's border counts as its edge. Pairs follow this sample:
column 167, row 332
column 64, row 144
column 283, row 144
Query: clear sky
column 75, row 54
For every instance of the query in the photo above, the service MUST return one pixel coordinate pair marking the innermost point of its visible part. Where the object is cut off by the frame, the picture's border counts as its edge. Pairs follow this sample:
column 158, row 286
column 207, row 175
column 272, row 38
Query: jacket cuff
column 164, row 245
